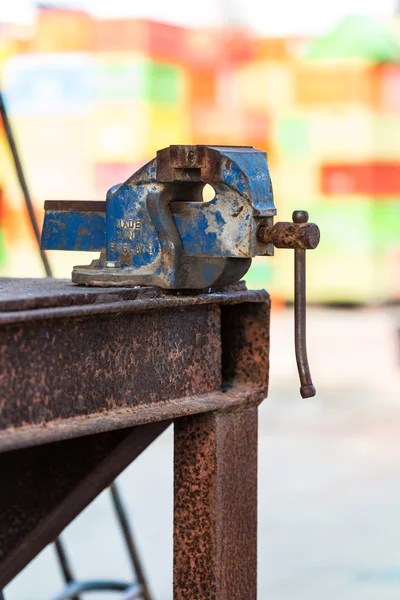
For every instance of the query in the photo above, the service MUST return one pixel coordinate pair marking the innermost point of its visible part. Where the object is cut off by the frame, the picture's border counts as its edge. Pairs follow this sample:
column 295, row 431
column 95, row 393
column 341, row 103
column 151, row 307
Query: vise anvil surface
column 155, row 229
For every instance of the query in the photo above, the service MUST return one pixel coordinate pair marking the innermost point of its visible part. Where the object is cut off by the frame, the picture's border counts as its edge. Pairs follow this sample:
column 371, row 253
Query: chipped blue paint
column 70, row 230
column 142, row 237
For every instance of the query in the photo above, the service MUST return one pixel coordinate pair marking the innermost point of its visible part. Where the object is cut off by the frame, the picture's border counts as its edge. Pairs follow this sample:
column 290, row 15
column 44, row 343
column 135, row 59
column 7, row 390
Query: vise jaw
column 156, row 230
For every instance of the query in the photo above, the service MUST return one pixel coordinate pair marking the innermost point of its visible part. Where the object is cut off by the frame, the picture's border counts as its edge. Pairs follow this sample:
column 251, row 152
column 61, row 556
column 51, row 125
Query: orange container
column 62, row 30
column 272, row 49
column 202, row 85
column 327, row 84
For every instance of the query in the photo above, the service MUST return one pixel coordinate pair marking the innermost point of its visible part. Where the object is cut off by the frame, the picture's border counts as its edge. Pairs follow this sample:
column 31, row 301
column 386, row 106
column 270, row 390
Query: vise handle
column 299, row 236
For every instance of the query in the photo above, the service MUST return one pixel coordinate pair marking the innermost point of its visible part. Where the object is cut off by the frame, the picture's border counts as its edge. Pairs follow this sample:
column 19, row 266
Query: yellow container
column 355, row 135
column 265, row 85
column 55, row 152
column 120, row 132
column 167, row 125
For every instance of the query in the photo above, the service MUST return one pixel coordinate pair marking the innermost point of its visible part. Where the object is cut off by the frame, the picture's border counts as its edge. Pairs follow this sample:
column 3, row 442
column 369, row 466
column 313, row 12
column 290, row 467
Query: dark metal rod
column 64, row 564
column 128, row 536
column 307, row 389
column 23, row 184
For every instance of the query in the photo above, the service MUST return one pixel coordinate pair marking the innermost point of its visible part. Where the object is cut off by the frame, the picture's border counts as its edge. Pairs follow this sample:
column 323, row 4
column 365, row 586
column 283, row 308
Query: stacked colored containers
column 140, row 105
column 92, row 100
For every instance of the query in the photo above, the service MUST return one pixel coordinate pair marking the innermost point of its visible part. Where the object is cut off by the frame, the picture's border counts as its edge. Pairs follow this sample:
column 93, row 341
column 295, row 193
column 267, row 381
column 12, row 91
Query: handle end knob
column 300, row 216
column 307, row 391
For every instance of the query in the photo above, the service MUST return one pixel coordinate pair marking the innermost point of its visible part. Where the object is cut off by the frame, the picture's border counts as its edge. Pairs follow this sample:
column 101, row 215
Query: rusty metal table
column 89, row 377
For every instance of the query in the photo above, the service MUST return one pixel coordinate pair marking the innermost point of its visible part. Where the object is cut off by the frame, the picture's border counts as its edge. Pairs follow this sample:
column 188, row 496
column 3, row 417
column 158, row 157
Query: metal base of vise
column 225, row 273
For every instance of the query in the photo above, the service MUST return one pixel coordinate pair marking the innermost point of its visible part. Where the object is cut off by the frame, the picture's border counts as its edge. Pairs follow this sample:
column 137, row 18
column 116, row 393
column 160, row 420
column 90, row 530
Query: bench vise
column 156, row 230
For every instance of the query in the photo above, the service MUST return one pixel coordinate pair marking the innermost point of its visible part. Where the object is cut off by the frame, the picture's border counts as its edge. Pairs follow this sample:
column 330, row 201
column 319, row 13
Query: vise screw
column 156, row 230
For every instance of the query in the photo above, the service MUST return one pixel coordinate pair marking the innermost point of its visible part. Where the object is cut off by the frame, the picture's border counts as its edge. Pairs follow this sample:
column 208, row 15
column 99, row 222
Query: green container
column 293, row 137
column 386, row 223
column 354, row 260
column 118, row 79
column 260, row 274
column 162, row 83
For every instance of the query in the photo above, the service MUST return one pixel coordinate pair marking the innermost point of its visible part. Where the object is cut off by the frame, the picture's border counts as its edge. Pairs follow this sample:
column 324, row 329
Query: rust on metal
column 59, row 481
column 89, row 377
column 61, row 369
column 108, row 360
column 215, row 506
column 72, row 205
column 300, row 236
column 245, row 345
column 291, row 235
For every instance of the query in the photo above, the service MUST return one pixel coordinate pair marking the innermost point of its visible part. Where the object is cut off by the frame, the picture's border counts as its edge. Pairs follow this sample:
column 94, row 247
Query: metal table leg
column 215, row 506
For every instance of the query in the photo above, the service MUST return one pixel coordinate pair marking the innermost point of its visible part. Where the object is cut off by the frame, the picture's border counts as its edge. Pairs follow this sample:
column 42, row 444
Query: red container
column 118, row 35
column 202, row 48
column 229, row 126
column 371, row 179
column 164, row 41
column 156, row 40
column 390, row 87
column 238, row 45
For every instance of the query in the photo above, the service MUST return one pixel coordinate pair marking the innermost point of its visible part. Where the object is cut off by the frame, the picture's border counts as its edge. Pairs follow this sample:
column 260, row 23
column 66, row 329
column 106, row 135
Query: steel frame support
column 215, row 506
column 89, row 378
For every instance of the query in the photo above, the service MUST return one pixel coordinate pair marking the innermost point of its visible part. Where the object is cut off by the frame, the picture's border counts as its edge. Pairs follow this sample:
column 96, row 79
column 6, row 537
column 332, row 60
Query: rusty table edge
column 139, row 305
column 61, row 429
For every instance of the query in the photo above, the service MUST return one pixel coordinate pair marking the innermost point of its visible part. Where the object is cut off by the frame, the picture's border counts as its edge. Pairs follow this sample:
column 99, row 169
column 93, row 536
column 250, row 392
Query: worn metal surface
column 307, row 388
column 215, row 506
column 108, row 361
column 88, row 365
column 45, row 487
column 59, row 370
column 291, row 235
column 156, row 230
column 245, row 346
column 62, row 230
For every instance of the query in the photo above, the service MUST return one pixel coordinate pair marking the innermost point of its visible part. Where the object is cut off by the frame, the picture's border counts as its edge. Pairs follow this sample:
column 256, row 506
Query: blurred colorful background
column 93, row 89
column 91, row 98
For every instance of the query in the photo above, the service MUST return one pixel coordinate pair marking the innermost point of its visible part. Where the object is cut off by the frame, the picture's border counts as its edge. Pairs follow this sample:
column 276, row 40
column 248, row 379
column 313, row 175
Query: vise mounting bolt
column 156, row 230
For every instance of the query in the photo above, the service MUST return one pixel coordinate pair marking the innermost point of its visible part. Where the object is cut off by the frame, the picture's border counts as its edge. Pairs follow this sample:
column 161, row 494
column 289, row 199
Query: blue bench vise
column 156, row 230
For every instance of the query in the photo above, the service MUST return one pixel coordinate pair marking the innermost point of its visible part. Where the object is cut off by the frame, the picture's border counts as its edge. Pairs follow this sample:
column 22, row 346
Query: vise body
column 155, row 229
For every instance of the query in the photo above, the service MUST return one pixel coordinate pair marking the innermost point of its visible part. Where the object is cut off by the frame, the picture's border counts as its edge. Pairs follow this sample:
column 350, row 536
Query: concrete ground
column 329, row 478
